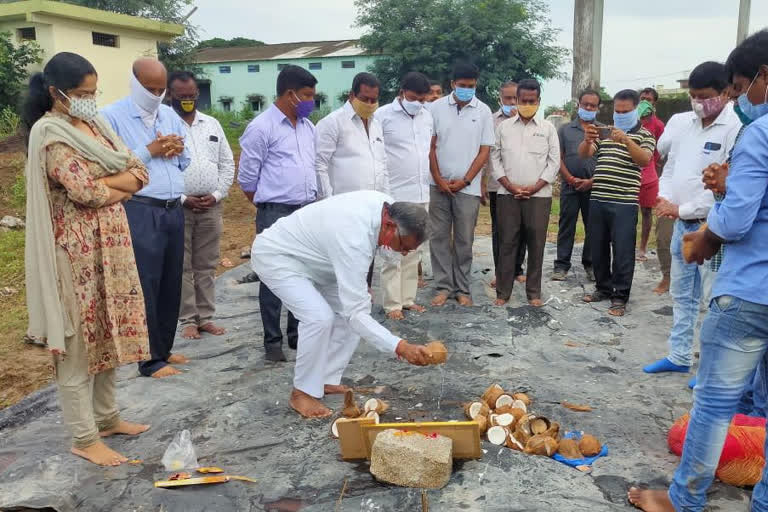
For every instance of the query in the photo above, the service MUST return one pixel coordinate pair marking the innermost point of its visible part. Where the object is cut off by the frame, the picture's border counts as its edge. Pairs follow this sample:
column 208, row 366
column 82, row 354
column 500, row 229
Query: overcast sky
column 644, row 43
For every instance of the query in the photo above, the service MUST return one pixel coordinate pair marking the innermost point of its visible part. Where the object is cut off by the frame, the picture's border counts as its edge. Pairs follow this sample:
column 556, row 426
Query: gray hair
column 508, row 83
column 411, row 219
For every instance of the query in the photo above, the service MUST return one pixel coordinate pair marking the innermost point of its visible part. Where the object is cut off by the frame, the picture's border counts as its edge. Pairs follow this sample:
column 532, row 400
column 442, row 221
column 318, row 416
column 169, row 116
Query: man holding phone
column 620, row 159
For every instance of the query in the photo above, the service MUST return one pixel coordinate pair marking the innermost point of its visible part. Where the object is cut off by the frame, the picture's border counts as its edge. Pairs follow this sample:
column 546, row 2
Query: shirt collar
column 280, row 117
column 516, row 118
column 349, row 110
column 198, row 119
column 472, row 102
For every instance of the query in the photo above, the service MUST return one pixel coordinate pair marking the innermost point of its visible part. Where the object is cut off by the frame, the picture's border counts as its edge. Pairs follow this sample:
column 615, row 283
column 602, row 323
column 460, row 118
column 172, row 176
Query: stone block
column 411, row 459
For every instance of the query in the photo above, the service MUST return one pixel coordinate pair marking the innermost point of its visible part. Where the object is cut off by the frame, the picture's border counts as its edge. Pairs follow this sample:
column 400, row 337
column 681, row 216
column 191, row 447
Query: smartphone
column 605, row 131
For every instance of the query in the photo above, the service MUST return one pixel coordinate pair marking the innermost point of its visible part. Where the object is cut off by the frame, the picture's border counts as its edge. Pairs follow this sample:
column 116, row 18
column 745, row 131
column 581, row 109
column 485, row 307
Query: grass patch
column 12, row 296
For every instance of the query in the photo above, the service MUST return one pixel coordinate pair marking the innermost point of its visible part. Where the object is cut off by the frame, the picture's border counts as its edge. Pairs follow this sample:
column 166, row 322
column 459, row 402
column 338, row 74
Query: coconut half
column 482, row 421
column 504, row 400
column 474, row 409
column 519, row 404
column 374, row 415
column 374, row 404
column 513, row 443
column 335, row 426
column 541, row 445
column 497, row 435
column 505, row 420
column 523, row 398
column 492, row 394
column 539, row 425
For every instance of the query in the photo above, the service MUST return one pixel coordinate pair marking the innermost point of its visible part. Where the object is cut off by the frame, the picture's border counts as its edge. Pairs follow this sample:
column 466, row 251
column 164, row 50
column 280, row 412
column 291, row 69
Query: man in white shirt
column 461, row 142
column 316, row 261
column 407, row 128
column 525, row 161
column 206, row 182
column 696, row 139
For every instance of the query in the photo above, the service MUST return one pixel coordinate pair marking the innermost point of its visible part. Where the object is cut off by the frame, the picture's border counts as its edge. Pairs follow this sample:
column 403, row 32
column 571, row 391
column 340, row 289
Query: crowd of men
column 448, row 154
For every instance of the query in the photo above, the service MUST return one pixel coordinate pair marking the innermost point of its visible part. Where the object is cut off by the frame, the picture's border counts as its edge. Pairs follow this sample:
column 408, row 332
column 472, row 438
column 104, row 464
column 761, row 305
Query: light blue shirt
column 165, row 179
column 742, row 219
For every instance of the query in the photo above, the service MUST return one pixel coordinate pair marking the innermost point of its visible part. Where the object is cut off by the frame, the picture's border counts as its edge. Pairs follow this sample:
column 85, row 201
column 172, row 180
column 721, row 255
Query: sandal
column 617, row 309
column 595, row 297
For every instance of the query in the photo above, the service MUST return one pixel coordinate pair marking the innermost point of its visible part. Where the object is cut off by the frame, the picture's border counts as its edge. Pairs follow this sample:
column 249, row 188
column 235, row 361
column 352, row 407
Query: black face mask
column 184, row 107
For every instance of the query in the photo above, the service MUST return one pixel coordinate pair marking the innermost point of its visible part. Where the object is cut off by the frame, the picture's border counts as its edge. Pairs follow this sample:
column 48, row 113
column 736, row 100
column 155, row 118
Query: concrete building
column 110, row 41
column 681, row 89
column 239, row 78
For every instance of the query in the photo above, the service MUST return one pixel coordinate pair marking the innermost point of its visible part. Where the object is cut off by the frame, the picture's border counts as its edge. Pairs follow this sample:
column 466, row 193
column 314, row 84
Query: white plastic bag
column 180, row 454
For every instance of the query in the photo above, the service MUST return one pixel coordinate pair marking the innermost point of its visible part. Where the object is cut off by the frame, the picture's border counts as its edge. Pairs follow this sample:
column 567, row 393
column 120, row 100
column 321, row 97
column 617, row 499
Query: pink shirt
column 654, row 125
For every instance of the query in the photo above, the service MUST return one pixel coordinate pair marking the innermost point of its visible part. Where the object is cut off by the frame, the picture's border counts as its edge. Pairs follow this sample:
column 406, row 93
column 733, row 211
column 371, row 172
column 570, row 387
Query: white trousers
column 326, row 342
column 399, row 280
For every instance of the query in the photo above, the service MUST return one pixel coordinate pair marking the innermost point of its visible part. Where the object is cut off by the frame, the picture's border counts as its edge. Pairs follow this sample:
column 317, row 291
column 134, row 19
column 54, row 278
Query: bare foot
column 415, row 307
column 100, row 454
column 439, row 300
column 650, row 500
column 308, row 406
column 335, row 389
column 165, row 371
column 190, row 332
column 493, row 283
column 536, row 303
column 422, row 283
column 177, row 359
column 521, row 278
column 662, row 287
column 499, row 302
column 396, row 315
column 212, row 328
column 125, row 428
column 640, row 256
column 464, row 300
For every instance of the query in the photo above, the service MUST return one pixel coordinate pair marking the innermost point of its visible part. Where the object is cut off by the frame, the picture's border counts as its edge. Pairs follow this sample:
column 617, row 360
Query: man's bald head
column 151, row 74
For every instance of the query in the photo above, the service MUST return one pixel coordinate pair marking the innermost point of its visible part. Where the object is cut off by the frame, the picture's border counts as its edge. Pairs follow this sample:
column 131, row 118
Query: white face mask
column 412, row 107
column 82, row 108
column 143, row 98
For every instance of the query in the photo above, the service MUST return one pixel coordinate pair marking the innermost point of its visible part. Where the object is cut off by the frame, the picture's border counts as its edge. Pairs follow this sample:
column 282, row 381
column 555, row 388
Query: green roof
column 27, row 9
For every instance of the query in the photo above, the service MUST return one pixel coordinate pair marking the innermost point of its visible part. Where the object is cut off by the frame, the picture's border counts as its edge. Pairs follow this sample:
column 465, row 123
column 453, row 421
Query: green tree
column 506, row 39
column 14, row 60
column 237, row 42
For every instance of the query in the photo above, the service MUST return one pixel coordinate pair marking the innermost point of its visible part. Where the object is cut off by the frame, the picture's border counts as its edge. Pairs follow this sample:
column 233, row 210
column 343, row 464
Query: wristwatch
column 467, row 182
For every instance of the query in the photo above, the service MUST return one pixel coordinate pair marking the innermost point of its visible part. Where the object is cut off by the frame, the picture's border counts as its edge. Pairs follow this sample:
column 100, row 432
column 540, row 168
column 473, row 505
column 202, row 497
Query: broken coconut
column 523, row 428
column 497, row 435
column 504, row 400
column 519, row 404
column 513, row 442
column 503, row 420
column 553, row 431
column 541, row 445
column 590, row 446
column 351, row 410
column 569, row 449
column 475, row 409
column 374, row 404
column 523, row 398
column 492, row 394
column 508, row 409
column 482, row 421
column 438, row 351
column 539, row 425
column 374, row 415
column 335, row 426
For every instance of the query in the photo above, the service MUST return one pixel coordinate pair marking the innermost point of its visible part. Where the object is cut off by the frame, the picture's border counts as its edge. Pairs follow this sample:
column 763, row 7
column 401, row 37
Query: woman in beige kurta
column 100, row 301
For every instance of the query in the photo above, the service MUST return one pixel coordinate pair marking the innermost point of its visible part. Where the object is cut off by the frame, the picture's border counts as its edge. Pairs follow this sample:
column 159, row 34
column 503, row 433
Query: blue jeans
column 754, row 401
column 734, row 338
column 689, row 284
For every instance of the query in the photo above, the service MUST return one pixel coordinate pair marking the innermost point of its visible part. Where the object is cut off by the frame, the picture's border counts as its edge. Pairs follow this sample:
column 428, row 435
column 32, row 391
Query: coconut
column 505, row 420
column 523, row 398
column 569, row 449
column 335, row 426
column 508, row 409
column 541, row 445
column 351, row 410
column 374, row 415
column 438, row 352
column 513, row 444
column 539, row 425
column 374, row 404
column 491, row 394
column 483, row 422
column 519, row 404
column 523, row 431
column 553, row 431
column 503, row 400
column 590, row 446
column 497, row 435
column 475, row 409
column 492, row 420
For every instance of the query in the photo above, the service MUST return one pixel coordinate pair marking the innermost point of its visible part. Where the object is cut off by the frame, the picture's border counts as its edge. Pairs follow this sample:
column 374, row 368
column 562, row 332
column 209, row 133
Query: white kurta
column 316, row 261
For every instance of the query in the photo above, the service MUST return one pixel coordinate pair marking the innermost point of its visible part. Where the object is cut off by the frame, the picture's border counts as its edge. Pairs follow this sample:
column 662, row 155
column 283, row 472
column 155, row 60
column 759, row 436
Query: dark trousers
column 269, row 304
column 158, row 246
column 613, row 228
column 495, row 239
column 521, row 222
column 571, row 203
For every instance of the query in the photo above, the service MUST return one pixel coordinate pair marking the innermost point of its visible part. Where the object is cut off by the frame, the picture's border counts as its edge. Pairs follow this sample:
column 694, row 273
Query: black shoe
column 275, row 354
column 590, row 274
column 559, row 275
column 293, row 343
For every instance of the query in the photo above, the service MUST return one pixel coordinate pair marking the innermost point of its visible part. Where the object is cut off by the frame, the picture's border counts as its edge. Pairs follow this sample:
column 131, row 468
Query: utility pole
column 743, row 31
column 587, row 45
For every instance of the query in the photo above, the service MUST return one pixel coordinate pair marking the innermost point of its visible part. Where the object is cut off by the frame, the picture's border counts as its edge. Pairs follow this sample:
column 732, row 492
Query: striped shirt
column 617, row 177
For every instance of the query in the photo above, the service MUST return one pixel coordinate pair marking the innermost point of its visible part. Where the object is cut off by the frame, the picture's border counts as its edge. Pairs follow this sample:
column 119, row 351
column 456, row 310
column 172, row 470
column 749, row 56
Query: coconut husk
column 351, row 410
column 497, row 435
column 474, row 409
column 513, row 443
column 374, row 415
column 523, row 430
column 576, row 407
column 541, row 445
column 590, row 446
column 503, row 400
column 438, row 351
column 374, row 404
column 492, row 394
column 539, row 425
column 569, row 448
column 553, row 431
column 482, row 421
column 523, row 398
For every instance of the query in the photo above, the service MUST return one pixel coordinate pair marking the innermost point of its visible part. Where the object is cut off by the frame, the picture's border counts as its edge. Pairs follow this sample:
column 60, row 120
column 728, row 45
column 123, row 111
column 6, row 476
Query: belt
column 694, row 221
column 160, row 203
column 265, row 206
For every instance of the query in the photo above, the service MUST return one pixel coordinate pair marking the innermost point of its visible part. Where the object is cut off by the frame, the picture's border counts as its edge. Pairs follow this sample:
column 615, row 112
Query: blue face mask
column 625, row 121
column 742, row 116
column 749, row 110
column 464, row 94
column 509, row 110
column 587, row 115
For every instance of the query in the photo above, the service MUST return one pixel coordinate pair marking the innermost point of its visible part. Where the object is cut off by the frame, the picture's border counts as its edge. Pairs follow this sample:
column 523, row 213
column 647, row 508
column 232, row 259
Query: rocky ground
column 235, row 406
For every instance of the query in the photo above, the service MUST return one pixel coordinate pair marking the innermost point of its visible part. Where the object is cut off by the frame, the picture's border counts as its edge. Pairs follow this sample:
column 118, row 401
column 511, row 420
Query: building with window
column 238, row 78
column 110, row 41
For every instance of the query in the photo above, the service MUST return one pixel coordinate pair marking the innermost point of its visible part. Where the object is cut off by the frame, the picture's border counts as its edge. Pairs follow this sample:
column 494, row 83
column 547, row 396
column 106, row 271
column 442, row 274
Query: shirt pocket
column 537, row 146
column 212, row 151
